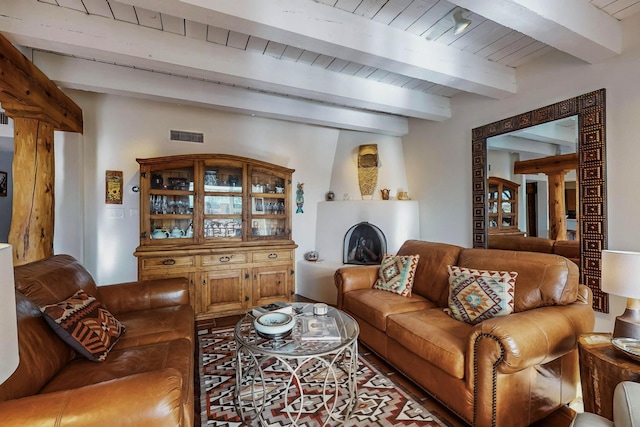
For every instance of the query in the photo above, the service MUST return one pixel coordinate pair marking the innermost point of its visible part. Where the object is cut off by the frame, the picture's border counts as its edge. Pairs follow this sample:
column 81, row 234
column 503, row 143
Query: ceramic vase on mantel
column 367, row 170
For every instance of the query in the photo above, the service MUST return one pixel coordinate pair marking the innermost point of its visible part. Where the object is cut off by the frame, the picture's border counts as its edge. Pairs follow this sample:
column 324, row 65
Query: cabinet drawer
column 275, row 255
column 168, row 262
column 224, row 259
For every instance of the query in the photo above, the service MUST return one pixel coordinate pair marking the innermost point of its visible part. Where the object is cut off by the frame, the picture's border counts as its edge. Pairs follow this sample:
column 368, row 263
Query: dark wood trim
column 591, row 112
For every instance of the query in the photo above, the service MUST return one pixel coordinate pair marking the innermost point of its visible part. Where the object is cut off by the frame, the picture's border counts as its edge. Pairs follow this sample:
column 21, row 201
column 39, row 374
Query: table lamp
column 621, row 276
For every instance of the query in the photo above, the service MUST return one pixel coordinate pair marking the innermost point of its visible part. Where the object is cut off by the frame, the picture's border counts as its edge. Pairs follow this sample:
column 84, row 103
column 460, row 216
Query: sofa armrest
column 349, row 279
column 504, row 346
column 148, row 399
column 144, row 295
column 529, row 338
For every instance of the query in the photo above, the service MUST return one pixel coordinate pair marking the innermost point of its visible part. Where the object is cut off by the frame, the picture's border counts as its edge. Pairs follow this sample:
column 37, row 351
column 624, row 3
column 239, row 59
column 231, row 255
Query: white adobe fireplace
column 397, row 219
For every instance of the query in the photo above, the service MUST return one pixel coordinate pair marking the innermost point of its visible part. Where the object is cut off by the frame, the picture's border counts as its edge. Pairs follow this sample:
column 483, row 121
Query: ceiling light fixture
column 460, row 24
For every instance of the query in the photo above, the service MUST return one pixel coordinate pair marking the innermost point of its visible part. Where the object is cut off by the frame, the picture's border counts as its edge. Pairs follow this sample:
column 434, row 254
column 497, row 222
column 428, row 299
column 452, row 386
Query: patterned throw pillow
column 477, row 295
column 85, row 325
column 397, row 273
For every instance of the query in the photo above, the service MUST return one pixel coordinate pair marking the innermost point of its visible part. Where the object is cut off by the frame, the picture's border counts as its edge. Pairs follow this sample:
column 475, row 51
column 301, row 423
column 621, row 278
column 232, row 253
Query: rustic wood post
column 557, row 209
column 37, row 107
column 32, row 224
column 555, row 167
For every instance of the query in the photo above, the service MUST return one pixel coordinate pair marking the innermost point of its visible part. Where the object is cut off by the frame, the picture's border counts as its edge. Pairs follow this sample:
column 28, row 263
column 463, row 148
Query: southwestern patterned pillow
column 85, row 325
column 397, row 273
column 477, row 295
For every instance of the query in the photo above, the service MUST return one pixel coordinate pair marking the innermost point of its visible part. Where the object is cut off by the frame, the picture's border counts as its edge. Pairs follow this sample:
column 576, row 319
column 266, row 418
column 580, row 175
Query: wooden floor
column 560, row 418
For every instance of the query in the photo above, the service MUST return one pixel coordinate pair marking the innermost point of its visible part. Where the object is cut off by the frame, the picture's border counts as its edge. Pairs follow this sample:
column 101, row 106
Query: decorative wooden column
column 557, row 207
column 32, row 224
column 555, row 167
column 37, row 107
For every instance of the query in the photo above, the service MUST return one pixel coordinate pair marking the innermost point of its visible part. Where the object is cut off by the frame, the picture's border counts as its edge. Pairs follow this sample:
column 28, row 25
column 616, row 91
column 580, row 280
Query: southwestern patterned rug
column 381, row 401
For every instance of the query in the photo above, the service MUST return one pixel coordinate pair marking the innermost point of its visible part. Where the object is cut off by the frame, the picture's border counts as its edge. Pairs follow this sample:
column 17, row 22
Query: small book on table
column 319, row 328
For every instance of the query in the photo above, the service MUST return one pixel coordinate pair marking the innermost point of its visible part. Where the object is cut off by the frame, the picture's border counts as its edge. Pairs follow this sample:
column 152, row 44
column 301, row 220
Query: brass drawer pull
column 273, row 256
column 225, row 258
column 169, row 262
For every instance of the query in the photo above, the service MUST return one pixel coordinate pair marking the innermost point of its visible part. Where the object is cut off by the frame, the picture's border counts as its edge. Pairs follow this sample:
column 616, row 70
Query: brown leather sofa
column 505, row 371
column 567, row 248
column 147, row 378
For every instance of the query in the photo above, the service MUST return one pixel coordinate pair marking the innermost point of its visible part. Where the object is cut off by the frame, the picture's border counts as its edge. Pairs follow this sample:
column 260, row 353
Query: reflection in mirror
column 590, row 184
column 522, row 207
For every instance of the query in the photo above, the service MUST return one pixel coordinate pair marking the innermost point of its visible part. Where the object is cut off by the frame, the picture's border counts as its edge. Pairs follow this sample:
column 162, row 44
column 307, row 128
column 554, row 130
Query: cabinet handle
column 169, row 261
column 204, row 282
column 225, row 258
column 246, row 298
column 272, row 256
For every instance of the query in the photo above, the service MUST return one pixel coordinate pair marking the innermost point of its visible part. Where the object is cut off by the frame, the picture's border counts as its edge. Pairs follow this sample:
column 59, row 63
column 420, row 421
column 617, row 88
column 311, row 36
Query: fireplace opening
column 364, row 243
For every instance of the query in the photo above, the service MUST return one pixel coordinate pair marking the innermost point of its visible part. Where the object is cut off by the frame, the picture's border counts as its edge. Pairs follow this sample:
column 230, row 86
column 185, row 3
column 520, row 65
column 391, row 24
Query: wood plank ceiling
column 355, row 64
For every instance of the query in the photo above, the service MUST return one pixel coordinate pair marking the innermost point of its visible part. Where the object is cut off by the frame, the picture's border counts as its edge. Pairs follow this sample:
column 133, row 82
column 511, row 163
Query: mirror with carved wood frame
column 590, row 110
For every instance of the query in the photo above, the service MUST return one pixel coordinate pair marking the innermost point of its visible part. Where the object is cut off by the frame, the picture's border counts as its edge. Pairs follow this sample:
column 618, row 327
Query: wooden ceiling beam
column 50, row 28
column 313, row 26
column 576, row 27
column 26, row 92
column 547, row 165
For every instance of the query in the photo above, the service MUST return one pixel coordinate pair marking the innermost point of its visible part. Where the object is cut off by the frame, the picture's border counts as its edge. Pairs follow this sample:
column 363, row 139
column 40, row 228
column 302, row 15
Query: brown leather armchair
column 147, row 377
column 506, row 371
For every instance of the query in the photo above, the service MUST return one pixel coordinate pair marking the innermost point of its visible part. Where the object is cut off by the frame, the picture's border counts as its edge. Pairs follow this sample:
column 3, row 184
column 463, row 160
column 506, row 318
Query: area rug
column 381, row 402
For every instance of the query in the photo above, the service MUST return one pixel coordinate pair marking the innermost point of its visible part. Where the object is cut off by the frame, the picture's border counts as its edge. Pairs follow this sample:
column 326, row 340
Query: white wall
column 439, row 155
column 69, row 199
column 391, row 172
column 117, row 130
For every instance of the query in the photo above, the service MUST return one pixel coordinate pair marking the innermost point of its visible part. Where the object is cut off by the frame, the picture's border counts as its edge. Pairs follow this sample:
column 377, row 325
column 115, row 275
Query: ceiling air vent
column 184, row 136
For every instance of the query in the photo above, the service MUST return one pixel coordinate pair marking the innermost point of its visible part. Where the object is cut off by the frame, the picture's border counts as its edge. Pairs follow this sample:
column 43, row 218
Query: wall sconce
column 619, row 272
column 8, row 320
column 460, row 24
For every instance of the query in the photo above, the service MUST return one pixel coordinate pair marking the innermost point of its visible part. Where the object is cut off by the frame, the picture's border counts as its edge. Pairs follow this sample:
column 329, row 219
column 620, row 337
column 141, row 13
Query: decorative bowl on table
column 274, row 325
column 628, row 346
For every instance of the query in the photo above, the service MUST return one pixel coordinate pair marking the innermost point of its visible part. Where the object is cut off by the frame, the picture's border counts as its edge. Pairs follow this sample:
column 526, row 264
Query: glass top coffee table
column 299, row 376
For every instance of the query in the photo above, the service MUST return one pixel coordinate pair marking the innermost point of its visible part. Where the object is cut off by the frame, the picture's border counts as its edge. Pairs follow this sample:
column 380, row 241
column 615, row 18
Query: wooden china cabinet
column 502, row 198
column 223, row 222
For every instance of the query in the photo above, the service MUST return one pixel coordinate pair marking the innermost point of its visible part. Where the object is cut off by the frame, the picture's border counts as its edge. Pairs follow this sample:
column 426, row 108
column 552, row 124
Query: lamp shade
column 8, row 322
column 621, row 273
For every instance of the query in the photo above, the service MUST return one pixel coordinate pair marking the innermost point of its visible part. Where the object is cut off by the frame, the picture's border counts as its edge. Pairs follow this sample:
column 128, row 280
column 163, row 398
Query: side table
column 602, row 367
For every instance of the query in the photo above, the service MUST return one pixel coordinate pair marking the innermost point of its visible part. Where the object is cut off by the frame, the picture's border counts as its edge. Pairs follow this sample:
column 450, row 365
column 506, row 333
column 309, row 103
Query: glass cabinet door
column 171, row 203
column 502, row 206
column 269, row 205
column 223, row 209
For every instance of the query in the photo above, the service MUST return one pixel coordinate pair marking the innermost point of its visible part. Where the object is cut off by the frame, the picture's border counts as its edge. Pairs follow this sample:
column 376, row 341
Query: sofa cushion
column 434, row 336
column 431, row 279
column 477, row 295
column 543, row 279
column 397, row 273
column 54, row 279
column 374, row 305
column 520, row 243
column 85, row 324
column 177, row 354
column 156, row 325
